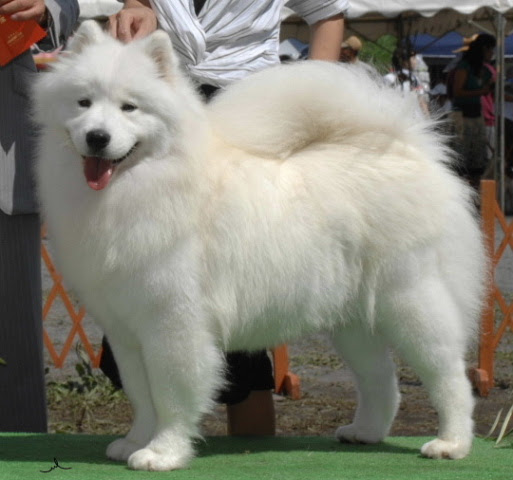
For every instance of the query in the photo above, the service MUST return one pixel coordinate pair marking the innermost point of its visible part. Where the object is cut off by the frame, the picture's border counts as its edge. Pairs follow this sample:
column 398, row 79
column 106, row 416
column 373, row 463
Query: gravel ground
column 328, row 396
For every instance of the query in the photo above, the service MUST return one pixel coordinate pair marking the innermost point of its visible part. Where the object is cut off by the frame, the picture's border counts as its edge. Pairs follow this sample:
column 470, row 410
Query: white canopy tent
column 374, row 18
column 370, row 19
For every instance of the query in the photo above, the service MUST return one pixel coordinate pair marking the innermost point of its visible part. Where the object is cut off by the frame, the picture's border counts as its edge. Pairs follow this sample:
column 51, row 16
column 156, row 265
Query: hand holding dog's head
column 89, row 33
column 157, row 46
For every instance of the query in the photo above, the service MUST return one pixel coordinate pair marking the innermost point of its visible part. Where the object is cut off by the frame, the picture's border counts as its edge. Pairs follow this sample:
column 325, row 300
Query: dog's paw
column 438, row 448
column 121, row 449
column 148, row 459
column 352, row 434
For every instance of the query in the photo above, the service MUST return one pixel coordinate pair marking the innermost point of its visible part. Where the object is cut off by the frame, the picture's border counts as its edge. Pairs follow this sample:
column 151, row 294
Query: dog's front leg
column 184, row 370
column 135, row 384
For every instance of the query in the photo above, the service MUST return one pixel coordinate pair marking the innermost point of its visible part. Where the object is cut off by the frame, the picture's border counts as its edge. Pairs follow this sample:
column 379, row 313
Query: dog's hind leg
column 426, row 327
column 136, row 386
column 374, row 371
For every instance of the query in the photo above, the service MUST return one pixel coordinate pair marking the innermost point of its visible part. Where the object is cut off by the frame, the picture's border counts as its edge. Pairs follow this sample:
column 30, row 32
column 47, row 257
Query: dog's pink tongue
column 98, row 172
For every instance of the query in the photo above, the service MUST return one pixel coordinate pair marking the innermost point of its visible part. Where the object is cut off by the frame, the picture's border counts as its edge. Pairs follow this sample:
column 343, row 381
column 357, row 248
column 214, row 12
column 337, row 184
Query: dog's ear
column 88, row 33
column 158, row 46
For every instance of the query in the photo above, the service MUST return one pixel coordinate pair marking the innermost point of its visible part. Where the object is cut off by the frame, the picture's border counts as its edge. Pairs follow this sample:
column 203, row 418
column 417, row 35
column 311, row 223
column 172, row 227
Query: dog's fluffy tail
column 285, row 109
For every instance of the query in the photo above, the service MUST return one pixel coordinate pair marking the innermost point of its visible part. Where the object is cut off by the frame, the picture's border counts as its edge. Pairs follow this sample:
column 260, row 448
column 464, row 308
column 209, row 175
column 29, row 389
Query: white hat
column 353, row 43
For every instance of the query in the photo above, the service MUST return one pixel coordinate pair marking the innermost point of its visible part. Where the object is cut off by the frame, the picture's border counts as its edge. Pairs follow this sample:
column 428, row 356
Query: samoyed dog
column 307, row 197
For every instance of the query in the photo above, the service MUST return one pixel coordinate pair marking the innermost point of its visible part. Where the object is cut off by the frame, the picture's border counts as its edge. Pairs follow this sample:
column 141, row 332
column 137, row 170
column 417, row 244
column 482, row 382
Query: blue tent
column 443, row 47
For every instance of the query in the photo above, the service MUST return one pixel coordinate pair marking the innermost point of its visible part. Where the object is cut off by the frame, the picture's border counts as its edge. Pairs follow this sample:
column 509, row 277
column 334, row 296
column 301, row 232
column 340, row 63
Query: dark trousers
column 22, row 383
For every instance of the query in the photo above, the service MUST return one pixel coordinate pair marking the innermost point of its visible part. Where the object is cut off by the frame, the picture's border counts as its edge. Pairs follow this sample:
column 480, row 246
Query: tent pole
column 499, row 152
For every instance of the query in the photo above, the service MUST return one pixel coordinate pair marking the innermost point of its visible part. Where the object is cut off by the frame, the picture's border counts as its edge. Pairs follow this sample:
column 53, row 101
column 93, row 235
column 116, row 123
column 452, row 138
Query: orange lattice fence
column 285, row 381
column 75, row 315
column 491, row 334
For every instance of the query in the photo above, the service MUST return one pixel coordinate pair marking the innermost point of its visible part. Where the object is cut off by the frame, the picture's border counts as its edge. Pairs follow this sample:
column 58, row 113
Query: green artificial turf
column 23, row 456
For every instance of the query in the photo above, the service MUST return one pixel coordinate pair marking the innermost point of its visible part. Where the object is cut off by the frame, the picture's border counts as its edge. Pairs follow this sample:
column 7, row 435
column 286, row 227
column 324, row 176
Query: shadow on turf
column 44, row 448
column 241, row 445
column 70, row 449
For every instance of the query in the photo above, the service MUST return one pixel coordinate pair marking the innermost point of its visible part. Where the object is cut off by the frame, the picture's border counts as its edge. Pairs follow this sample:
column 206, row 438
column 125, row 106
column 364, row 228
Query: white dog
column 305, row 198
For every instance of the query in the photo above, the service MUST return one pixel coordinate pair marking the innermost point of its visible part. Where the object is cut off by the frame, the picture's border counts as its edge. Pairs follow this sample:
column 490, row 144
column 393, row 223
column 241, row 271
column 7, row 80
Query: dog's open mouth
column 98, row 170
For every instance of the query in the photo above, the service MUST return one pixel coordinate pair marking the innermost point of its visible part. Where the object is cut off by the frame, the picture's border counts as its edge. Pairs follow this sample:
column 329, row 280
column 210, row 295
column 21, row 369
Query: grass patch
column 88, row 403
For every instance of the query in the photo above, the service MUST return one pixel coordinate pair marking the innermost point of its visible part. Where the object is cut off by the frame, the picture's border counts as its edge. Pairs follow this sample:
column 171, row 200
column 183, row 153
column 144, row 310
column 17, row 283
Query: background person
column 22, row 384
column 350, row 49
column 403, row 77
column 471, row 80
column 219, row 42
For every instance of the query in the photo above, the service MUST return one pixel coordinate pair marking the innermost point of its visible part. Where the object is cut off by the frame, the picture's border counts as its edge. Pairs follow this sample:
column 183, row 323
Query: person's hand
column 22, row 10
column 135, row 20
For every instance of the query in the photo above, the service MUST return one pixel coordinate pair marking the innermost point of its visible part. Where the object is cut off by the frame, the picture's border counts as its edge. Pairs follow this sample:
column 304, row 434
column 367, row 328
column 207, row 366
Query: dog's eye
column 85, row 102
column 128, row 107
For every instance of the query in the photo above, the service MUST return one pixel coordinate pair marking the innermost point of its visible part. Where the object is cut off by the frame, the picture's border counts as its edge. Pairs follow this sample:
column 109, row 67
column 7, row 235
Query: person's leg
column 248, row 396
column 474, row 146
column 108, row 364
column 22, row 383
column 253, row 416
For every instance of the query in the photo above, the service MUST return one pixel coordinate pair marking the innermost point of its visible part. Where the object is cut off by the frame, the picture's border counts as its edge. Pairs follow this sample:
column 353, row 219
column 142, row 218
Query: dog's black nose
column 97, row 139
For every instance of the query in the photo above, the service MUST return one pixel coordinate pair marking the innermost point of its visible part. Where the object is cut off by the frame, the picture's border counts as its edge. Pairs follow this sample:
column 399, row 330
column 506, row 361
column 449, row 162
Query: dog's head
column 115, row 104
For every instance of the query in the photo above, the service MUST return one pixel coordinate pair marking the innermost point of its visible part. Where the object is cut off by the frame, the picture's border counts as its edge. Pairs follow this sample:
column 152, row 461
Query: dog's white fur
column 307, row 197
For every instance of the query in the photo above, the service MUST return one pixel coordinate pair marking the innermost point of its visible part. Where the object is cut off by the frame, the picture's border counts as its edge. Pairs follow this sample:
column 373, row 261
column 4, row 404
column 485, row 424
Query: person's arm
column 135, row 20
column 326, row 37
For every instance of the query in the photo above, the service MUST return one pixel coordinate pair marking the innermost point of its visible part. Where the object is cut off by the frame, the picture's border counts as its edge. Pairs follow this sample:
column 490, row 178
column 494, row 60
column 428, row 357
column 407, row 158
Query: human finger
column 143, row 26
column 13, row 6
column 122, row 26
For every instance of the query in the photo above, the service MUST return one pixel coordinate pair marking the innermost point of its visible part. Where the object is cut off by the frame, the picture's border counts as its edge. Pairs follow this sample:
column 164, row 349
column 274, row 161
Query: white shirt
column 232, row 38
column 391, row 79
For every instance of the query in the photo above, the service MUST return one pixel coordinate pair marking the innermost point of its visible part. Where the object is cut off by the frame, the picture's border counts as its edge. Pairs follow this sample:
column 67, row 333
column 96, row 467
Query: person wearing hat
column 350, row 49
column 468, row 83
